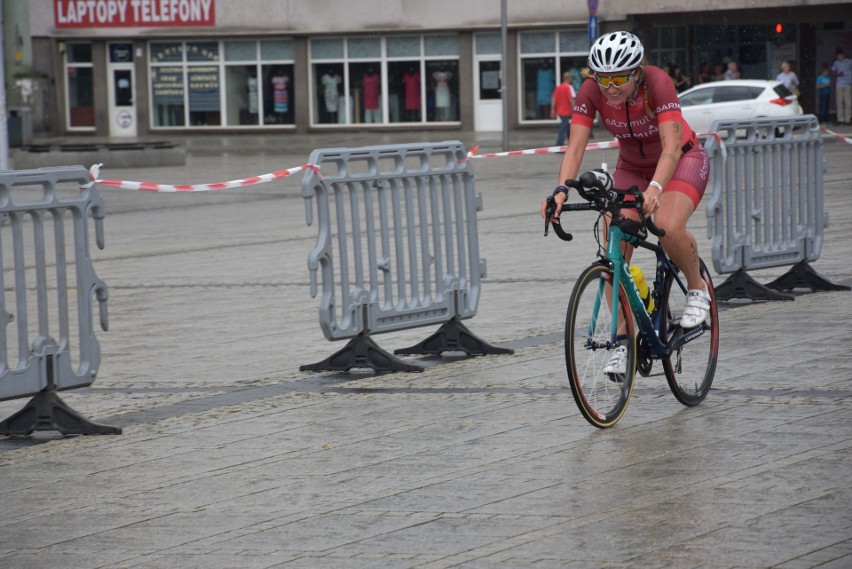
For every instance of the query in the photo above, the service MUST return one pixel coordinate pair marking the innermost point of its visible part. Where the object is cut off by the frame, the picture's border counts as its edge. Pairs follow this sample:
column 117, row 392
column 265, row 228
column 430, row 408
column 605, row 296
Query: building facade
column 133, row 68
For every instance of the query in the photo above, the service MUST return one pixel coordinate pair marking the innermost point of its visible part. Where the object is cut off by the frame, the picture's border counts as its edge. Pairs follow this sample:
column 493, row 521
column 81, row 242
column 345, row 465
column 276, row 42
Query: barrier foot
column 803, row 276
column 453, row 336
column 361, row 352
column 741, row 285
column 48, row 412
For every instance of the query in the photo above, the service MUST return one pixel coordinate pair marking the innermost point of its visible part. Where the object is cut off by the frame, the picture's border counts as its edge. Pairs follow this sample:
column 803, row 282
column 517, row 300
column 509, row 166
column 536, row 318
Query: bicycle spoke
column 601, row 397
column 692, row 364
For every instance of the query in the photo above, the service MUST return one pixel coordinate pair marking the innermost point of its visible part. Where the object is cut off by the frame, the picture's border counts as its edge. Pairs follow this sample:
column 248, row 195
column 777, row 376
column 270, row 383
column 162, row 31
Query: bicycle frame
column 649, row 325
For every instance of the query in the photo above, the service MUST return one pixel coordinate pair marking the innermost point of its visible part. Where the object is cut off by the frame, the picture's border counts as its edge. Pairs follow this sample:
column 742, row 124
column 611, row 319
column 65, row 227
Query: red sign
column 593, row 7
column 133, row 13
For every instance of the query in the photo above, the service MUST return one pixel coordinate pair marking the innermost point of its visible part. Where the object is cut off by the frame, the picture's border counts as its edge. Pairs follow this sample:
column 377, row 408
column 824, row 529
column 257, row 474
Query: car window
column 699, row 97
column 728, row 93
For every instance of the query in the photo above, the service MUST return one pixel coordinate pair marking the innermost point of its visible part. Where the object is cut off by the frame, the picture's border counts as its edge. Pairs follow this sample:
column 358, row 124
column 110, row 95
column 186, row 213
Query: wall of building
column 326, row 16
column 303, row 20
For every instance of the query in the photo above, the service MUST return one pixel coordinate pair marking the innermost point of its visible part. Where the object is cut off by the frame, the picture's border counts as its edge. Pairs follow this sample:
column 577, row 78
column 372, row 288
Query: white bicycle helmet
column 614, row 52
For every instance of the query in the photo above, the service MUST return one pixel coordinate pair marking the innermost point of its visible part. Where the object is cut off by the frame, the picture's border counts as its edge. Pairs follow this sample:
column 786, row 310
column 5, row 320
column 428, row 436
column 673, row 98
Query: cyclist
column 658, row 152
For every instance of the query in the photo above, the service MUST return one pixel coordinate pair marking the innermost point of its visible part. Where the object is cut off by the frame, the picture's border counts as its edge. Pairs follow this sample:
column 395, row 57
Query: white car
column 736, row 99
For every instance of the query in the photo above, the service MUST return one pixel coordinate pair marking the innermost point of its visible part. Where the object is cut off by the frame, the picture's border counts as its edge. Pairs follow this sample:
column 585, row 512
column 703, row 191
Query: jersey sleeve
column 663, row 96
column 585, row 105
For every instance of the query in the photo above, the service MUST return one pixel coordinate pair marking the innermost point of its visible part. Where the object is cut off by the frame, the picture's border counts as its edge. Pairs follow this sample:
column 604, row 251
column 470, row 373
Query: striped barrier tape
column 845, row 139
column 153, row 187
column 558, row 149
column 549, row 150
column 272, row 176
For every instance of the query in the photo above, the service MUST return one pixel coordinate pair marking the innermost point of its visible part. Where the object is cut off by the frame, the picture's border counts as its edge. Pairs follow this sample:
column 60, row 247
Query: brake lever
column 646, row 220
column 548, row 213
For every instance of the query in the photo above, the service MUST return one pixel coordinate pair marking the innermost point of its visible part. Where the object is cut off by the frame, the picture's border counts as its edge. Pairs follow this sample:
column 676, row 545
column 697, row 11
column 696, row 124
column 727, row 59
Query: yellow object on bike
column 642, row 286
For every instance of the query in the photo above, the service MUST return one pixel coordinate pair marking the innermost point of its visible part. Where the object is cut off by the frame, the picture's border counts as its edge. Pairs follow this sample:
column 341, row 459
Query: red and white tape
column 153, row 187
column 549, row 150
column 558, row 149
column 845, row 139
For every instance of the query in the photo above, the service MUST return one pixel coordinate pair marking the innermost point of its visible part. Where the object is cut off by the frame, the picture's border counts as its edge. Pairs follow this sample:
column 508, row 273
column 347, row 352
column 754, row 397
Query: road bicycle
column 598, row 321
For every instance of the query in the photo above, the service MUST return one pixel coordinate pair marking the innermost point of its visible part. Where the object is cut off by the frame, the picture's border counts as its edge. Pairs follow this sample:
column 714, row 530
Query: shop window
column 240, row 51
column 544, row 58
column 442, row 103
column 403, row 47
column 539, row 80
column 441, row 46
column 399, row 79
column 211, row 83
column 365, row 92
column 277, row 94
column 79, row 85
column 276, row 50
column 167, row 96
column 405, row 91
column 541, row 42
column 241, row 97
column 573, row 42
column 204, row 103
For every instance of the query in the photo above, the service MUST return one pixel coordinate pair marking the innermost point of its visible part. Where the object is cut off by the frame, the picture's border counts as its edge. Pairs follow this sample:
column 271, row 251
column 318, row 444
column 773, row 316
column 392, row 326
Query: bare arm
column 570, row 163
column 671, row 134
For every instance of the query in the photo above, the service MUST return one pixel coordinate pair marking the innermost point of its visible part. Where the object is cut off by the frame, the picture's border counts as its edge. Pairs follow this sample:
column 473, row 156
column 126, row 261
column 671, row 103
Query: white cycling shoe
column 697, row 309
column 617, row 364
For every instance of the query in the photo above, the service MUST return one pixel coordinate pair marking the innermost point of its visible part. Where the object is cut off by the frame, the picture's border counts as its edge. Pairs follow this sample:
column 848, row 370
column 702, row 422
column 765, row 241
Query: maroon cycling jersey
column 637, row 132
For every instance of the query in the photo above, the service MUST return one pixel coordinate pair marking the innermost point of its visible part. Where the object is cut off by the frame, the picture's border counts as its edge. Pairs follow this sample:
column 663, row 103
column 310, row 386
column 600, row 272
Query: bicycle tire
column 691, row 367
column 602, row 398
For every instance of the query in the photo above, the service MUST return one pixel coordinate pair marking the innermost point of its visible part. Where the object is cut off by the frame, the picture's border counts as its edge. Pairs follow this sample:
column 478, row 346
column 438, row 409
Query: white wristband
column 656, row 184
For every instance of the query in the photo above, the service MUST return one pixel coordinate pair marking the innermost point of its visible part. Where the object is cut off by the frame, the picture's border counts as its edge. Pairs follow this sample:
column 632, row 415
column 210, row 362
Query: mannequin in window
column 411, row 84
column 280, row 93
column 371, row 84
column 545, row 78
column 442, row 94
column 330, row 82
column 251, row 85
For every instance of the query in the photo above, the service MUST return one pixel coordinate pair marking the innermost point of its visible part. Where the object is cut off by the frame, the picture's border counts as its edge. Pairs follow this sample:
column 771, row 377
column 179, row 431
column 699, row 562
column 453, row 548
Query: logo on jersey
column 668, row 107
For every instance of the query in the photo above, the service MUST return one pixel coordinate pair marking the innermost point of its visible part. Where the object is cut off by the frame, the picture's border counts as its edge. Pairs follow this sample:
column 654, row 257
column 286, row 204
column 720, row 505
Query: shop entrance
column 121, row 90
column 488, row 109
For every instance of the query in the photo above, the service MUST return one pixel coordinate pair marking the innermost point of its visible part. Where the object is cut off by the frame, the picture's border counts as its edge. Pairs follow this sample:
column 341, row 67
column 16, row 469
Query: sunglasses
column 619, row 80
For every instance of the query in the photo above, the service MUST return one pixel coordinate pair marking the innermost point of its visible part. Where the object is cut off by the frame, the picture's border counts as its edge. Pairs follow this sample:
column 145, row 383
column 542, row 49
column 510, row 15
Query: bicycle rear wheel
column 602, row 398
column 690, row 366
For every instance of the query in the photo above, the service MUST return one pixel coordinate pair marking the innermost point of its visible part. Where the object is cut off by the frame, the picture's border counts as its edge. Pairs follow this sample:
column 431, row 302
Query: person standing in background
column 841, row 70
column 788, row 77
column 562, row 106
column 733, row 71
column 823, row 87
column 704, row 75
column 681, row 82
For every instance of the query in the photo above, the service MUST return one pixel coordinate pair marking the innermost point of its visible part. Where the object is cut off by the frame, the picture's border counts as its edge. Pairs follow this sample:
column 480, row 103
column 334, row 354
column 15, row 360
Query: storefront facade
column 131, row 68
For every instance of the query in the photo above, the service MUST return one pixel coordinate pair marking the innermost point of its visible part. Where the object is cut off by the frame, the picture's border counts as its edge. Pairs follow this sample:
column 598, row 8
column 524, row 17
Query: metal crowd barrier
column 48, row 284
column 397, row 248
column 766, row 205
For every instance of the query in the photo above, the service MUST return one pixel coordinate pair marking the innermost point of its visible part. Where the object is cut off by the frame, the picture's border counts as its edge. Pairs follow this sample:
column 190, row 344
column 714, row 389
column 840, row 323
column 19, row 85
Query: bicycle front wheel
column 691, row 365
column 601, row 397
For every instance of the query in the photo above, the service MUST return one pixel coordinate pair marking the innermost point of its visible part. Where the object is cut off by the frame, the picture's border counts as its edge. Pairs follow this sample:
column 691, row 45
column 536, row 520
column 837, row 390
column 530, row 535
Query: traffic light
column 783, row 33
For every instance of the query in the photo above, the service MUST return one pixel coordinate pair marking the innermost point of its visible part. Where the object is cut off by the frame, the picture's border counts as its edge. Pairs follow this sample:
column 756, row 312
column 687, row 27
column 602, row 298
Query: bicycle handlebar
column 596, row 188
